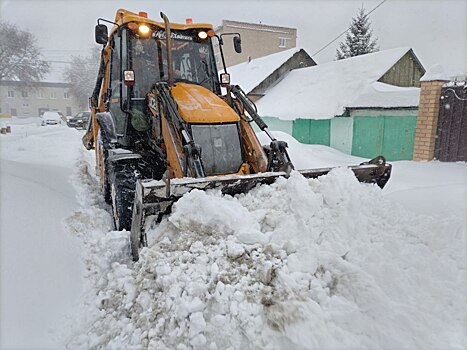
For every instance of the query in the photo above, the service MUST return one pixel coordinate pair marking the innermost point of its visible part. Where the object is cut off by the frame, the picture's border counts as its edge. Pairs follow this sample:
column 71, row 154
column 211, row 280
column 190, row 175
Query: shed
column 364, row 105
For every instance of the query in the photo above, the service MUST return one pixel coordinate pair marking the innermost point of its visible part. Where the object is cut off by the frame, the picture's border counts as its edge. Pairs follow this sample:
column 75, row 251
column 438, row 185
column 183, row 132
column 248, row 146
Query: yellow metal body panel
column 197, row 105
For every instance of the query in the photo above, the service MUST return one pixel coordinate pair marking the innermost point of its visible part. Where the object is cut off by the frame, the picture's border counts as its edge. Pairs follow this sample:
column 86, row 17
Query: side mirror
column 237, row 44
column 101, row 34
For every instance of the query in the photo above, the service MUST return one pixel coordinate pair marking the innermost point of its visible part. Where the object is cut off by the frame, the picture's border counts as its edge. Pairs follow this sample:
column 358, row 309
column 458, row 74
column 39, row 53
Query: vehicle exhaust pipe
column 168, row 43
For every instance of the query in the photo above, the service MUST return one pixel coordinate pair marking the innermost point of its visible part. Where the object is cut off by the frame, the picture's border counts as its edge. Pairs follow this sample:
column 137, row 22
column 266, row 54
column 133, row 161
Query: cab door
column 117, row 91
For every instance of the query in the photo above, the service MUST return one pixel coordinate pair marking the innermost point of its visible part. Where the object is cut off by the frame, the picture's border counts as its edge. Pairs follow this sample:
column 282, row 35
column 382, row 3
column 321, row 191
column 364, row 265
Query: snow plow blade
column 153, row 199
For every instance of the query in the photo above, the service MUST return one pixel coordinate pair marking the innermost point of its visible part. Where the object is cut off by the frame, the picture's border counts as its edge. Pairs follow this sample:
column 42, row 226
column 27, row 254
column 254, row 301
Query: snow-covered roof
column 250, row 74
column 387, row 96
column 437, row 72
column 325, row 90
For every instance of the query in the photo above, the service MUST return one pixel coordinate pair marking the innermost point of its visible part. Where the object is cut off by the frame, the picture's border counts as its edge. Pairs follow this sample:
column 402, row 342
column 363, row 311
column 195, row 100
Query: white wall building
column 19, row 100
column 50, row 94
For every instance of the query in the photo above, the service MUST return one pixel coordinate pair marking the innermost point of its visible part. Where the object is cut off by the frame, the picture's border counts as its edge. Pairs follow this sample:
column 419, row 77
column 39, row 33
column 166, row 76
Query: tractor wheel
column 122, row 190
column 103, row 152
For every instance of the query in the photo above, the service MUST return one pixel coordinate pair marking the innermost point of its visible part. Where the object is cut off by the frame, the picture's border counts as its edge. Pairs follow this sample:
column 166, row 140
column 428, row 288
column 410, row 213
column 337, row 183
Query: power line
column 345, row 31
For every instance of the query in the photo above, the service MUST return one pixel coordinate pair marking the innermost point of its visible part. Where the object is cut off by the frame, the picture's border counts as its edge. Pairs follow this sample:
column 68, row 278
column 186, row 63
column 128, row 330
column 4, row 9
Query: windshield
column 193, row 60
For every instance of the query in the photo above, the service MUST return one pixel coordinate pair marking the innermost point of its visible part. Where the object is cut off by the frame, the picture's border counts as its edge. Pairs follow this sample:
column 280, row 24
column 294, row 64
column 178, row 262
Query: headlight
column 143, row 29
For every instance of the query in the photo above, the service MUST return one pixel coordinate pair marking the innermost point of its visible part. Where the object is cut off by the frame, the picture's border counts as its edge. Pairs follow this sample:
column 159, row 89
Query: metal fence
column 451, row 134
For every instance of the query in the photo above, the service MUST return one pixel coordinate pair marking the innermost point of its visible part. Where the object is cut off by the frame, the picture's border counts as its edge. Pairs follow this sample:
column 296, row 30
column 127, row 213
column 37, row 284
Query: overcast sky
column 435, row 29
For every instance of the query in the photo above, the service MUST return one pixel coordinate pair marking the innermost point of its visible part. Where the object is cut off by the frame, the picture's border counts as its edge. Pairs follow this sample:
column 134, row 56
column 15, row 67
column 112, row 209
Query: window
column 53, row 95
column 118, row 62
column 283, row 42
column 24, row 94
column 11, row 94
column 66, row 95
column 26, row 105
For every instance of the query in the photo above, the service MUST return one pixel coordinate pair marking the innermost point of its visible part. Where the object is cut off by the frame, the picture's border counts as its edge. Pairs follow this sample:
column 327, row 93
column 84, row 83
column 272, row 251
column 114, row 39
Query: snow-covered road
column 301, row 264
column 41, row 265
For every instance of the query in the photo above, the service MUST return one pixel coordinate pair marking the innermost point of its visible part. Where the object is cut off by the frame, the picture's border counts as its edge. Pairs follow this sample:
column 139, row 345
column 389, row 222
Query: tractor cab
column 139, row 56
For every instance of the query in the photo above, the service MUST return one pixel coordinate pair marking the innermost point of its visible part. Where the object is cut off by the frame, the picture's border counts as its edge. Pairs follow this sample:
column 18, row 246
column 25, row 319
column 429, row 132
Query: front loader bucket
column 155, row 198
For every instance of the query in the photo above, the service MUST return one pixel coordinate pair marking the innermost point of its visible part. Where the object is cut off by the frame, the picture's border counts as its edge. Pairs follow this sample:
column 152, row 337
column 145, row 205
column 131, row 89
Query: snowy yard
column 301, row 264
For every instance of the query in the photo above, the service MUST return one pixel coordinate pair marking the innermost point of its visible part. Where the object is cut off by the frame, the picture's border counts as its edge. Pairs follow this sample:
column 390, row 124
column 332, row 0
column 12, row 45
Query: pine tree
column 359, row 39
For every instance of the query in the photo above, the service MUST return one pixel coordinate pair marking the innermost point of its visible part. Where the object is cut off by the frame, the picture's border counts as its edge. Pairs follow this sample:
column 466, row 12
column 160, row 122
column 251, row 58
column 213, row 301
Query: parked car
column 51, row 118
column 79, row 121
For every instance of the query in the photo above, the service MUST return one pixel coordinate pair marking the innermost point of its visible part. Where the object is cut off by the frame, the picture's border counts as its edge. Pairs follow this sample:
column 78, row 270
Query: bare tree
column 81, row 74
column 20, row 58
column 359, row 39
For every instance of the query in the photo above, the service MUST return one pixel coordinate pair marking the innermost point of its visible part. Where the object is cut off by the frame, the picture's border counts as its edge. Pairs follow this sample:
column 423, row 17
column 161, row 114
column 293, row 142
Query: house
column 258, row 40
column 31, row 100
column 365, row 105
column 257, row 76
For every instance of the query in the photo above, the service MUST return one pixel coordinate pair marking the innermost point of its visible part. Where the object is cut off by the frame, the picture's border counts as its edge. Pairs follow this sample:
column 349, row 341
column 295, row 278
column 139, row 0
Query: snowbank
column 300, row 264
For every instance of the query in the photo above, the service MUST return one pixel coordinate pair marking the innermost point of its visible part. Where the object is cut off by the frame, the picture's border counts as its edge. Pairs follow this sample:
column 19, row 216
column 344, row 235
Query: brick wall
column 427, row 121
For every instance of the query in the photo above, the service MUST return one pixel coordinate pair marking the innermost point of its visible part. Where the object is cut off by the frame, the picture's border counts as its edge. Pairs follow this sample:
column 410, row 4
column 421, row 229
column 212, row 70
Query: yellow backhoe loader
column 162, row 126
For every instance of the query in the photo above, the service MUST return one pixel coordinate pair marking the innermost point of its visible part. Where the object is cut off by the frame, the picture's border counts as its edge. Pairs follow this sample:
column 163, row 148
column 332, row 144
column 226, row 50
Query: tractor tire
column 103, row 152
column 122, row 190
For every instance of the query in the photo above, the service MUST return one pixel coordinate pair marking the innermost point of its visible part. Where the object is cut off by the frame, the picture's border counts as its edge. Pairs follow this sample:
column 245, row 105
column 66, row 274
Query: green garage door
column 399, row 137
column 312, row 131
column 367, row 136
column 392, row 137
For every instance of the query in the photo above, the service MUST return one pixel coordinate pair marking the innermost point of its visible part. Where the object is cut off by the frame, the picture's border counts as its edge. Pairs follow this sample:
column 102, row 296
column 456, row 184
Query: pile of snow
column 325, row 90
column 300, row 264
